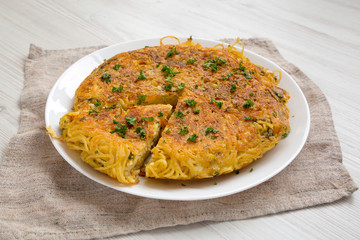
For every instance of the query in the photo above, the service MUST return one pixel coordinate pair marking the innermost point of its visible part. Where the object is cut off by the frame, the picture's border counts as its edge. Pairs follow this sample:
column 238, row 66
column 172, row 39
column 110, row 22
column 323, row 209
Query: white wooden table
column 320, row 37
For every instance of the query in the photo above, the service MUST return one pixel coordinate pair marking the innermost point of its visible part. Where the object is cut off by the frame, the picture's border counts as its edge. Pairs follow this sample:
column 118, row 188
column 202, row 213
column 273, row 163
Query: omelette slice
column 213, row 134
column 115, row 141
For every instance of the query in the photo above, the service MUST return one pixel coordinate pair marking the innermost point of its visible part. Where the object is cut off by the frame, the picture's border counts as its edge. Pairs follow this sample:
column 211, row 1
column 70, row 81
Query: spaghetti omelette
column 214, row 111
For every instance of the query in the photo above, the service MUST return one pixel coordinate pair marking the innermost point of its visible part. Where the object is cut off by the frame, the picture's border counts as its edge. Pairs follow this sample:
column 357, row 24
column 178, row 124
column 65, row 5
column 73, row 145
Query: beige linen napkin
column 43, row 197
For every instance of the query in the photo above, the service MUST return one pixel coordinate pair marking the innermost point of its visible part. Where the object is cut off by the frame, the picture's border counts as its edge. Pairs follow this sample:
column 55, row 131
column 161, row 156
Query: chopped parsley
column 168, row 71
column 237, row 171
column 179, row 114
column 210, row 130
column 131, row 121
column 286, row 134
column 274, row 114
column 184, row 131
column 172, row 52
column 106, row 77
column 142, row 98
column 214, row 63
column 248, row 103
column 248, row 118
column 217, row 102
column 181, row 86
column 141, row 131
column 190, row 102
column 142, row 75
column 169, row 79
column 191, row 61
column 116, row 67
column 227, row 76
column 97, row 104
column 197, row 111
column 150, row 119
column 160, row 114
column 92, row 111
column 109, row 108
column 247, row 75
column 168, row 87
column 192, row 138
column 196, row 86
column 120, row 129
column 168, row 131
column 233, row 88
column 251, row 170
column 216, row 173
column 117, row 89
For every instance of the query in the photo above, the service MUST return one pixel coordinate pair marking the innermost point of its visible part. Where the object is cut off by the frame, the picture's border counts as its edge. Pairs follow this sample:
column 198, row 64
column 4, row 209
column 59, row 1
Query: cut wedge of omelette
column 213, row 110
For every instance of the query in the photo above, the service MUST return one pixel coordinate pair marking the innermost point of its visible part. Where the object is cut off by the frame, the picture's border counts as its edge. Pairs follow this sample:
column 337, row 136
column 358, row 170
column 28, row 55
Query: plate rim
column 126, row 189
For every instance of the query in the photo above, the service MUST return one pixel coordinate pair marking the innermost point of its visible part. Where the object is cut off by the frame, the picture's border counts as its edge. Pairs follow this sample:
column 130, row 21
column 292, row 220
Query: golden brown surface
column 228, row 113
column 109, row 147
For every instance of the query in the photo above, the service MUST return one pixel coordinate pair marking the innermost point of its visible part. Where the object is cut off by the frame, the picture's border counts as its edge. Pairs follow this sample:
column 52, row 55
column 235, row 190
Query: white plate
column 60, row 101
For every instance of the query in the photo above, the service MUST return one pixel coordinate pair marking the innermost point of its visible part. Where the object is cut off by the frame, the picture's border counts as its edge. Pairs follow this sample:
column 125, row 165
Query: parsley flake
column 214, row 63
column 142, row 98
column 97, row 104
column 109, row 108
column 172, row 52
column 286, row 134
column 248, row 103
column 160, row 114
column 168, row 71
column 117, row 89
column 233, row 88
column 191, row 61
column 131, row 121
column 116, row 67
column 226, row 77
column 181, row 86
column 190, row 102
column 247, row 75
column 179, row 114
column 141, row 131
column 192, row 138
column 92, row 111
column 184, row 131
column 106, row 77
column 150, row 119
column 210, row 130
column 142, row 75
column 168, row 87
column 217, row 102
column 120, row 129
column 197, row 111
